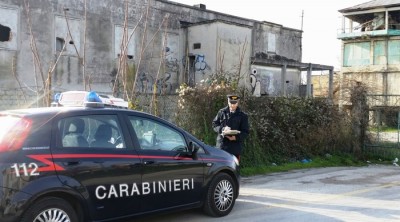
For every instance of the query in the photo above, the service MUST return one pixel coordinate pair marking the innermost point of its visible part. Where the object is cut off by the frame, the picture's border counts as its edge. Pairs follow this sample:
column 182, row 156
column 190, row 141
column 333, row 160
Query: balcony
column 355, row 35
column 367, row 24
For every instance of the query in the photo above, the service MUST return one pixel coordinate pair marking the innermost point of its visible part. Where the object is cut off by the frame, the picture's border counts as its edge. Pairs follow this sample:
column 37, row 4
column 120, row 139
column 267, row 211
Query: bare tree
column 162, row 63
column 141, row 51
column 242, row 53
column 35, row 53
column 14, row 72
column 122, row 62
column 85, row 84
column 43, row 91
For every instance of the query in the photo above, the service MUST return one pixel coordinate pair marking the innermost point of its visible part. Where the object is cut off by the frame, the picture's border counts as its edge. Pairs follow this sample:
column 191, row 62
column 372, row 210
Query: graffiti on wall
column 164, row 82
column 147, row 83
column 198, row 67
column 263, row 83
column 166, row 79
column 268, row 81
column 200, row 63
column 255, row 85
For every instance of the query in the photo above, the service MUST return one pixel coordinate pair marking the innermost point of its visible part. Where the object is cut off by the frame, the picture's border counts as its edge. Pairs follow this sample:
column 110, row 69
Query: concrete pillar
column 330, row 87
column 343, row 24
column 283, row 80
column 350, row 26
column 308, row 94
column 386, row 19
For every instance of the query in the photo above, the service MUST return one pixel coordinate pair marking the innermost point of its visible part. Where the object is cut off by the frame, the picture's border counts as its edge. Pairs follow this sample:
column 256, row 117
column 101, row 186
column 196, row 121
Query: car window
column 26, row 133
column 39, row 136
column 153, row 135
column 95, row 131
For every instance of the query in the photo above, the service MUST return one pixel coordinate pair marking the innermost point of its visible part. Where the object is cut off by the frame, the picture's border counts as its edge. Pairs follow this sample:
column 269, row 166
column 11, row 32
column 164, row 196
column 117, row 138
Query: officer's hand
column 231, row 138
column 226, row 128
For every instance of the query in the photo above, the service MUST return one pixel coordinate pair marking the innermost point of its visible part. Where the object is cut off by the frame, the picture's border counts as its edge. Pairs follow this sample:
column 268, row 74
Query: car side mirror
column 193, row 149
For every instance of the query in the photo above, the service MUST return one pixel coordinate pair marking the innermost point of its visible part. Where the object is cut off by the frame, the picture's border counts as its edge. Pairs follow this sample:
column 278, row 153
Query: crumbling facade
column 76, row 45
column 371, row 49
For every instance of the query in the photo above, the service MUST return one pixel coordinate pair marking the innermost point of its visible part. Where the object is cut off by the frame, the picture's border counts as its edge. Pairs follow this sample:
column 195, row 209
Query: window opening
column 127, row 56
column 59, row 44
column 5, row 33
column 196, row 45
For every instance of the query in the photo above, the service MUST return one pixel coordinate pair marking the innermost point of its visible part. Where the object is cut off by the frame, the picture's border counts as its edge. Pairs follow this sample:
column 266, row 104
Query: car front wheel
column 50, row 209
column 221, row 196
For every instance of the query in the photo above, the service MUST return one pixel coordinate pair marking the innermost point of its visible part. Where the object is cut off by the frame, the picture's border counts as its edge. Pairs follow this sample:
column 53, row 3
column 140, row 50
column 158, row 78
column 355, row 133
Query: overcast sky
column 321, row 21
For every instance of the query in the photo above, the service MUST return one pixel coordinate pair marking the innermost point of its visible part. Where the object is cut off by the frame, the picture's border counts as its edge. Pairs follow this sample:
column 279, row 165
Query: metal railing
column 383, row 134
column 383, row 100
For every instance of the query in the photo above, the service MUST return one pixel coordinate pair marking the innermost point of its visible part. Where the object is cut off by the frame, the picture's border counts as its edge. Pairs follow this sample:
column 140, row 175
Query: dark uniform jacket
column 236, row 121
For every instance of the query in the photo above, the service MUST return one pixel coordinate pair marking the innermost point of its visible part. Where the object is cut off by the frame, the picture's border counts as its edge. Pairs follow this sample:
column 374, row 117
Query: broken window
column 9, row 22
column 394, row 51
column 356, row 54
column 5, row 33
column 379, row 53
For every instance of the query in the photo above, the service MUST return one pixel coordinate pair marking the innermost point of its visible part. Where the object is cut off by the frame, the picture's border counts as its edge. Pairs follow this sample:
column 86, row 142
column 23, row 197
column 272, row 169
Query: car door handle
column 149, row 162
column 71, row 163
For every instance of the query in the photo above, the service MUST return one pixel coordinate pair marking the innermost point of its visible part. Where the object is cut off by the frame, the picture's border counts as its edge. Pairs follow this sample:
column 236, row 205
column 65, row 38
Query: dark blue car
column 101, row 164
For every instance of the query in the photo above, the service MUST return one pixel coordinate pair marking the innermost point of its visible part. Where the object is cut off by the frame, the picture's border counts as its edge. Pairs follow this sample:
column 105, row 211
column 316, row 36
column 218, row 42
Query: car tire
column 50, row 209
column 221, row 196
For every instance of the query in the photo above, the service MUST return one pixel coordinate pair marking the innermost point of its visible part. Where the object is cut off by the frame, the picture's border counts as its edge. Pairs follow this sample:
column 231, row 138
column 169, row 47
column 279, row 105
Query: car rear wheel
column 221, row 196
column 50, row 209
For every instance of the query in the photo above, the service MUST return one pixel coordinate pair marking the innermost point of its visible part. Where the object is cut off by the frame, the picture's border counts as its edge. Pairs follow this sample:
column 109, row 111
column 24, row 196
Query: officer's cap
column 233, row 99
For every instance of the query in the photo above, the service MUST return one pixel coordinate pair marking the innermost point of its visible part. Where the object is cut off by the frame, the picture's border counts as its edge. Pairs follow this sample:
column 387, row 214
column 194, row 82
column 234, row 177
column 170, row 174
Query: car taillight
column 16, row 135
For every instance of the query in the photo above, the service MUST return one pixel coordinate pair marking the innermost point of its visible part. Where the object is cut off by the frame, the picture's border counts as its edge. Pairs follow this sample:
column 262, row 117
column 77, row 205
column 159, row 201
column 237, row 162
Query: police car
column 95, row 163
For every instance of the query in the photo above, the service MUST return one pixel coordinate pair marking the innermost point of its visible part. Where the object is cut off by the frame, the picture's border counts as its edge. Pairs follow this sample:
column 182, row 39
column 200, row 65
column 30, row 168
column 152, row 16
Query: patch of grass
column 386, row 129
column 381, row 153
column 331, row 161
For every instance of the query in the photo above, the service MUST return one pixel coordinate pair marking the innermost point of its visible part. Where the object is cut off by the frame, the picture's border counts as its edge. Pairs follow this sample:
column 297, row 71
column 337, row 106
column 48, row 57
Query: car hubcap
column 223, row 195
column 52, row 215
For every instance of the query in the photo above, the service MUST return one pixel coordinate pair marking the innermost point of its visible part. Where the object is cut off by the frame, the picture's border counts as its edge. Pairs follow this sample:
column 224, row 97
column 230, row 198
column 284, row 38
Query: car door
column 171, row 177
column 105, row 175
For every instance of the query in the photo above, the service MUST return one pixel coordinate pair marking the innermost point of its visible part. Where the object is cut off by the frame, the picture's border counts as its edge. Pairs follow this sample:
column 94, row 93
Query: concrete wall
column 104, row 22
column 220, row 50
column 379, row 73
column 267, row 81
column 270, row 38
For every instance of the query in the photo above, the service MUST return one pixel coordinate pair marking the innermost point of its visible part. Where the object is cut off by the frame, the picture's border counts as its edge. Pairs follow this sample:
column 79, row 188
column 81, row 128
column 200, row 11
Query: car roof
column 51, row 111
column 54, row 110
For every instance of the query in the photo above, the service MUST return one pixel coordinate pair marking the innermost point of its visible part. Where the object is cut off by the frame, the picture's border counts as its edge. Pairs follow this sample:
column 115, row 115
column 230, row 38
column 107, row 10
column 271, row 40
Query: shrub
column 281, row 129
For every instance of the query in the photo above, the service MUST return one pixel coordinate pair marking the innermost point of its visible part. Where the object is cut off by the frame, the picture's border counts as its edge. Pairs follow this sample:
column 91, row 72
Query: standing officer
column 229, row 119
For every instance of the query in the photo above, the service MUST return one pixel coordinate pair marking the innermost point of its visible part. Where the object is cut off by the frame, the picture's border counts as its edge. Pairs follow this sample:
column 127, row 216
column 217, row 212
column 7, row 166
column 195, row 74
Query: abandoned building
column 370, row 38
column 76, row 45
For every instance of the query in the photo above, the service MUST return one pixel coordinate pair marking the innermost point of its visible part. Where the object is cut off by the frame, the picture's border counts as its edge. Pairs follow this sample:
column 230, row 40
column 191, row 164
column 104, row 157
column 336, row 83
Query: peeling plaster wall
column 267, row 81
column 205, row 62
column 222, row 47
column 393, row 86
column 286, row 42
column 103, row 19
column 235, row 43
